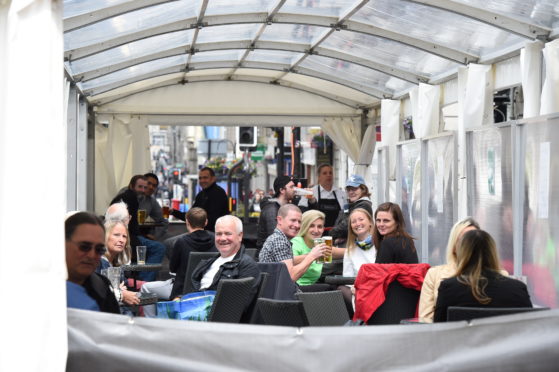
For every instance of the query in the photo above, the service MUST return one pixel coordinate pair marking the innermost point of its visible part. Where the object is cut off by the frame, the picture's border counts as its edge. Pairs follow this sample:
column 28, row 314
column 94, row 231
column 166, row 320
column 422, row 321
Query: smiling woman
column 312, row 227
column 394, row 244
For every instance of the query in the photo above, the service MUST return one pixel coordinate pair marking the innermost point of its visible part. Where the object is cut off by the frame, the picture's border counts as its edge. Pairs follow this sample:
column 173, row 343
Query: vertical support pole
column 280, row 156
column 518, row 179
column 425, row 192
column 82, row 156
column 72, row 152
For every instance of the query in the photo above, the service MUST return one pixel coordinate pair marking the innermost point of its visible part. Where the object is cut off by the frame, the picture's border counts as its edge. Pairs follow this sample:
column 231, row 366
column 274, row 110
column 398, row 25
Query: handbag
column 192, row 306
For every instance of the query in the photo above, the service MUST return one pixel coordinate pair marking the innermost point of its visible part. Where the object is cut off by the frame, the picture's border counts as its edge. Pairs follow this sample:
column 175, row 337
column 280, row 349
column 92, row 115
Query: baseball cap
column 280, row 183
column 355, row 181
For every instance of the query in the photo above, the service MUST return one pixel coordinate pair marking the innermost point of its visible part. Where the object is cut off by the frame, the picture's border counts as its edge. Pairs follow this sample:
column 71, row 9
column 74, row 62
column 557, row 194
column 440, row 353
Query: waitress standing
column 326, row 198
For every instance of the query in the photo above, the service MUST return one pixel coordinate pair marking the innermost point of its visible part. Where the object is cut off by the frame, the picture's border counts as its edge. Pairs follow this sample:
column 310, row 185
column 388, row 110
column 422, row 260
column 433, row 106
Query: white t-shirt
column 208, row 277
column 358, row 257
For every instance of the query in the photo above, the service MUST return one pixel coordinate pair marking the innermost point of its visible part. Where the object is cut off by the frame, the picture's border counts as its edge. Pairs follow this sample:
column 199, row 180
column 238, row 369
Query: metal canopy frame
column 274, row 15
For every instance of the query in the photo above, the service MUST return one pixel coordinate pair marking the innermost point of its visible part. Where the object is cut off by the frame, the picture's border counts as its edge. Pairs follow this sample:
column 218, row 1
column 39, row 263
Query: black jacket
column 197, row 241
column 98, row 287
column 268, row 220
column 503, row 291
column 213, row 200
column 339, row 231
column 242, row 266
column 396, row 249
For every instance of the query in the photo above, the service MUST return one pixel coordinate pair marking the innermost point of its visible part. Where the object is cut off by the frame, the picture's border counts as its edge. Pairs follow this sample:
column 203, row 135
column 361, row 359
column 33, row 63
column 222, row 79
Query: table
column 135, row 268
column 339, row 280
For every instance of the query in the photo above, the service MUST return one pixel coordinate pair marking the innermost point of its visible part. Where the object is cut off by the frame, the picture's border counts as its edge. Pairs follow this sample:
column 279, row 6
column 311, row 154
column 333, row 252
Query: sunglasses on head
column 85, row 247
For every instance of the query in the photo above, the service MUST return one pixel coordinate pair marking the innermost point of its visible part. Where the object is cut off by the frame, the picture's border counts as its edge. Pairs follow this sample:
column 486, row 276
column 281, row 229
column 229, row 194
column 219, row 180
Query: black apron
column 330, row 207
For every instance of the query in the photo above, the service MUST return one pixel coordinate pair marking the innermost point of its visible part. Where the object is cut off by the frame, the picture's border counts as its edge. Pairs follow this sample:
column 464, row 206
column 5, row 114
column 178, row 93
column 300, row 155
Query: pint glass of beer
column 319, row 241
column 328, row 241
column 142, row 216
column 165, row 208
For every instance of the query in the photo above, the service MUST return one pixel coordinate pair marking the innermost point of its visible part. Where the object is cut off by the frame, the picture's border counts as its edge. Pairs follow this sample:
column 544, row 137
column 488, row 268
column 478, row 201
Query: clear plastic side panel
column 541, row 213
column 411, row 190
column 492, row 188
column 441, row 175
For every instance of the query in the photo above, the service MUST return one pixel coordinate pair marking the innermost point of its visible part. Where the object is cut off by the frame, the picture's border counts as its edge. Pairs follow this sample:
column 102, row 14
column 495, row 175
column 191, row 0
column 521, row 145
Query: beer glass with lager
column 165, row 208
column 142, row 216
column 319, row 241
column 328, row 242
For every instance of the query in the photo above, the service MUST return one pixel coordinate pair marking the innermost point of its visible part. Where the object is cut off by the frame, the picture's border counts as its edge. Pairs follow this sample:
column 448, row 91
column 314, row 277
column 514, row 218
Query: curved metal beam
column 522, row 28
column 85, row 19
column 323, row 21
column 409, row 76
column 375, row 92
column 201, row 79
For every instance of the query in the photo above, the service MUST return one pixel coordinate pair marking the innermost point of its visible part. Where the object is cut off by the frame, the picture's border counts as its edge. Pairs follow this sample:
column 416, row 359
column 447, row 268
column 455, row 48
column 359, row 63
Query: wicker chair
column 193, row 260
column 324, row 308
column 231, row 300
column 253, row 317
column 282, row 313
column 455, row 313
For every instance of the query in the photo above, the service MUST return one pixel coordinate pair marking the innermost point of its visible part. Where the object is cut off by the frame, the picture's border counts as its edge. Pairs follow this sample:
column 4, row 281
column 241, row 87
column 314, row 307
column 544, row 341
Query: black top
column 213, row 200
column 98, row 287
column 396, row 249
column 267, row 221
column 503, row 291
column 242, row 266
column 197, row 241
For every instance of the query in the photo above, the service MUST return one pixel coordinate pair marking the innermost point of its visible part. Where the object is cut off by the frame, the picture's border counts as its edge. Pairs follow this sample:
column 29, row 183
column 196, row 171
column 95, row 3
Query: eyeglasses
column 85, row 247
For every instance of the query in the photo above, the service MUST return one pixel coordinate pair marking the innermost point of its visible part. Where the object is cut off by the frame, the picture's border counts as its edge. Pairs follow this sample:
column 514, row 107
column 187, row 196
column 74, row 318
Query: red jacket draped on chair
column 372, row 282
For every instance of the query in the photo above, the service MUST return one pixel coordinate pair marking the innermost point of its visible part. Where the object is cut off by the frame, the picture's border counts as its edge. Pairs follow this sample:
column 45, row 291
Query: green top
column 313, row 272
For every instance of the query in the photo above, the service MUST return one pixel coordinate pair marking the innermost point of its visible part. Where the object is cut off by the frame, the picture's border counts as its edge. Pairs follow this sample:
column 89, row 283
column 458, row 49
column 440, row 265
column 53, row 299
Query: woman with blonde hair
column 436, row 274
column 360, row 248
column 312, row 227
column 117, row 241
column 478, row 281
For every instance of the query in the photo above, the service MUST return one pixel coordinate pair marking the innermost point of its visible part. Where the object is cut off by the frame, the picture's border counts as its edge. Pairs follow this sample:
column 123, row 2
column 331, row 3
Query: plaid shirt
column 276, row 248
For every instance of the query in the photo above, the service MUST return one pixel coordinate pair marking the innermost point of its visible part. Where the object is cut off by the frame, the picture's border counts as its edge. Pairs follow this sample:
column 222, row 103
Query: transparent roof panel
column 292, row 33
column 354, row 73
column 435, row 25
column 387, row 52
column 218, row 55
column 74, row 8
column 318, row 7
column 135, row 71
column 540, row 12
column 130, row 22
column 273, row 56
column 219, row 7
column 228, row 33
column 133, row 50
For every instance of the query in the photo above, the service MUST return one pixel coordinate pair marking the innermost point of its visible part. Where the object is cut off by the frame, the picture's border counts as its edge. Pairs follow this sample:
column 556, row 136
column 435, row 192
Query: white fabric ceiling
column 351, row 52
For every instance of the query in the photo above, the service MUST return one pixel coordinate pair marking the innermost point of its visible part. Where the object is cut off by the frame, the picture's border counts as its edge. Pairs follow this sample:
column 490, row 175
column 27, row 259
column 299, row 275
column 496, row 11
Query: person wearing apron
column 326, row 198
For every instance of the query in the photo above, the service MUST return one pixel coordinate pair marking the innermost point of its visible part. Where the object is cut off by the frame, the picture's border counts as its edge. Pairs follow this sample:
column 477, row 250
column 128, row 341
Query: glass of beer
column 165, row 208
column 328, row 242
column 316, row 242
column 142, row 216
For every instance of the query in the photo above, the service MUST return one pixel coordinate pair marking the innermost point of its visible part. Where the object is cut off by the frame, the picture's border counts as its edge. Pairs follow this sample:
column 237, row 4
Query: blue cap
column 355, row 181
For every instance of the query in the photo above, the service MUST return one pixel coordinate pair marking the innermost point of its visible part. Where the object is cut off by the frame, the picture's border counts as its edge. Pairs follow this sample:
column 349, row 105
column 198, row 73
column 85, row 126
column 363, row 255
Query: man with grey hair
column 118, row 212
column 277, row 248
column 231, row 262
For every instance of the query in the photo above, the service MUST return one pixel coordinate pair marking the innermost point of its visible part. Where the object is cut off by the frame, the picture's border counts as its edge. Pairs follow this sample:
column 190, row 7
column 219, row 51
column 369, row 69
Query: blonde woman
column 478, row 281
column 312, row 227
column 118, row 253
column 436, row 274
column 360, row 250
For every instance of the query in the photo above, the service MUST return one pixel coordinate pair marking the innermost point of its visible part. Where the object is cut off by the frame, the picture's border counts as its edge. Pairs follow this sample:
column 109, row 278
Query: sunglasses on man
column 85, row 247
